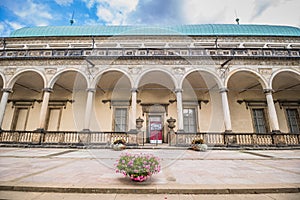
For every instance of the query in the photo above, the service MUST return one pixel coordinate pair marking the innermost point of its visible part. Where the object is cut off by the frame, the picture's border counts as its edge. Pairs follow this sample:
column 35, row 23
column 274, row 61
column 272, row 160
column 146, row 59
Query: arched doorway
column 156, row 102
column 286, row 92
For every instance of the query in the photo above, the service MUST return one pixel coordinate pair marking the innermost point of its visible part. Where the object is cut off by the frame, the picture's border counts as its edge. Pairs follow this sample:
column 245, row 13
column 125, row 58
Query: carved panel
column 10, row 71
column 50, row 70
column 179, row 70
column 134, row 70
column 265, row 71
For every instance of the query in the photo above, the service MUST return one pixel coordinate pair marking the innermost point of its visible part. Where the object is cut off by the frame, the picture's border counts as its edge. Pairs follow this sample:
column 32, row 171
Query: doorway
column 155, row 129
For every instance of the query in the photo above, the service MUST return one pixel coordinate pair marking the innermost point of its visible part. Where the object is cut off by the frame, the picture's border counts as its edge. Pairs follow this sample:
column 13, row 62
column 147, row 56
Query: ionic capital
column 91, row 90
column 268, row 91
column 134, row 90
column 48, row 90
column 8, row 90
column 223, row 90
column 178, row 90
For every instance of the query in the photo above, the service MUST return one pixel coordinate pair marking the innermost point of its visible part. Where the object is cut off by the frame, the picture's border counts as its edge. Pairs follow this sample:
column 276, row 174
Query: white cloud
column 113, row 11
column 14, row 25
column 32, row 13
column 89, row 3
column 104, row 14
column 64, row 2
column 6, row 27
column 285, row 12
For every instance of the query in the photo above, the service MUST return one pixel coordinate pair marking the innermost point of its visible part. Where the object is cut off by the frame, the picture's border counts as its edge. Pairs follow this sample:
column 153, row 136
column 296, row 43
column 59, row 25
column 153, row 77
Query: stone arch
column 58, row 74
column 258, row 76
column 281, row 71
column 98, row 76
column 13, row 80
column 138, row 81
column 215, row 77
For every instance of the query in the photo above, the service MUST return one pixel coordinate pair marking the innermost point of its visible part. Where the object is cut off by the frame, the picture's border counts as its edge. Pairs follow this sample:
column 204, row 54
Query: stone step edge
column 115, row 190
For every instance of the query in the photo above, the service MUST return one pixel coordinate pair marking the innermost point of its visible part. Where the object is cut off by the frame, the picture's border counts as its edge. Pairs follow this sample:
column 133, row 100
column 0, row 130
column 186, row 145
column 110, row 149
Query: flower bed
column 138, row 167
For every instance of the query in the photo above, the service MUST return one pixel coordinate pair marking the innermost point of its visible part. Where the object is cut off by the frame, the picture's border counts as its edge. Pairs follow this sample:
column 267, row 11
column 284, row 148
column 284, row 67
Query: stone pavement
column 222, row 172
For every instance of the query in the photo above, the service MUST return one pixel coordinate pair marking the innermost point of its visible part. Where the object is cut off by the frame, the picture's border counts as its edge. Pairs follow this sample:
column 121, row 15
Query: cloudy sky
column 15, row 14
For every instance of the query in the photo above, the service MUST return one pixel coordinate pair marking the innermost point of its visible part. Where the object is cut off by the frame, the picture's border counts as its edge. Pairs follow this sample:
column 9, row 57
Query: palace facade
column 228, row 84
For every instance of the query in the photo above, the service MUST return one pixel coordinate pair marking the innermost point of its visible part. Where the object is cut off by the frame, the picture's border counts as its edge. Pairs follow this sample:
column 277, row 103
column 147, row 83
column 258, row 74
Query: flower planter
column 118, row 147
column 199, row 147
column 138, row 167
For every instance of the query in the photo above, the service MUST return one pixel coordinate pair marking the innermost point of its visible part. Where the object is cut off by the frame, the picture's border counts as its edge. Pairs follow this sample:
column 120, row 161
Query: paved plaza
column 185, row 172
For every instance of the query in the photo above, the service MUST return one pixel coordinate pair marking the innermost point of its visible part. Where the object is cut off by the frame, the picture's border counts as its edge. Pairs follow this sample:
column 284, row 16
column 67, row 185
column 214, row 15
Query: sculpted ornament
column 265, row 71
column 179, row 70
column 134, row 70
column 50, row 71
column 10, row 71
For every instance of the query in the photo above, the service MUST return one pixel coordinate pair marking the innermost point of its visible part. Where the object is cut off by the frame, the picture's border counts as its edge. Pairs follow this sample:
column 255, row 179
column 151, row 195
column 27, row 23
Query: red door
column 155, row 129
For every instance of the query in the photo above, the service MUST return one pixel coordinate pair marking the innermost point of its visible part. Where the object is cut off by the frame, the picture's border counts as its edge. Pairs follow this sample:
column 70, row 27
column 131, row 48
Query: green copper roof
column 192, row 30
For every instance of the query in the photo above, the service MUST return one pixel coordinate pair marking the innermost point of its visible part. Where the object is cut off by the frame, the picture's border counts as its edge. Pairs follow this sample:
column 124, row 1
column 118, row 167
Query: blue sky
column 15, row 14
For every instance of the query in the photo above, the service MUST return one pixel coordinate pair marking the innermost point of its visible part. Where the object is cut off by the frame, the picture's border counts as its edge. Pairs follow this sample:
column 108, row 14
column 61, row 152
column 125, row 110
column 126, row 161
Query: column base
column 40, row 130
column 228, row 131
column 276, row 131
column 85, row 130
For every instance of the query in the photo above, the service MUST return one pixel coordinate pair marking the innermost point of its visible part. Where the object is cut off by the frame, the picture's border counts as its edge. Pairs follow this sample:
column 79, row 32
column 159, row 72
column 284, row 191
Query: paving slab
column 185, row 171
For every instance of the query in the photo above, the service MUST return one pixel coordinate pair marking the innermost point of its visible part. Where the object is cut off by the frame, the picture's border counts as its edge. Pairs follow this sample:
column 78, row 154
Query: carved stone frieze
column 23, row 63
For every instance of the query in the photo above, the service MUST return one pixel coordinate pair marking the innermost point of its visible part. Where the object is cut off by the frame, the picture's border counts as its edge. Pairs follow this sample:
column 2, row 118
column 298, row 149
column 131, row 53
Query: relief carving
column 179, row 70
column 265, row 71
column 10, row 71
column 134, row 70
column 50, row 71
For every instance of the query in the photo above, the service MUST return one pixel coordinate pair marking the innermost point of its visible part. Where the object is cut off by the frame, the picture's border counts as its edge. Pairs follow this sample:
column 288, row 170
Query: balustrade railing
column 240, row 139
column 61, row 137
column 182, row 139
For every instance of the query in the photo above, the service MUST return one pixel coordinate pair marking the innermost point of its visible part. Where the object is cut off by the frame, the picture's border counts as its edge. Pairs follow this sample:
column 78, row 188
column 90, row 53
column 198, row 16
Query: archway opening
column 156, row 103
column 286, row 94
column 247, row 102
column 202, row 106
column 67, row 102
column 24, row 103
column 112, row 102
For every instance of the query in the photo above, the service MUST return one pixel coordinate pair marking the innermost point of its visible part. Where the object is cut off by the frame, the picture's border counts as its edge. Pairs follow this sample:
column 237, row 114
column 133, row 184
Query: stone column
column 44, row 108
column 89, row 109
column 6, row 92
column 272, row 111
column 132, row 124
column 226, row 111
column 179, row 109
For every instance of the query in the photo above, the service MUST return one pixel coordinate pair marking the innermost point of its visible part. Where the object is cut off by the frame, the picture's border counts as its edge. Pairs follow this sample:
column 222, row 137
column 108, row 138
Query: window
column 189, row 120
column 20, row 118
column 259, row 120
column 293, row 120
column 53, row 119
column 120, row 119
